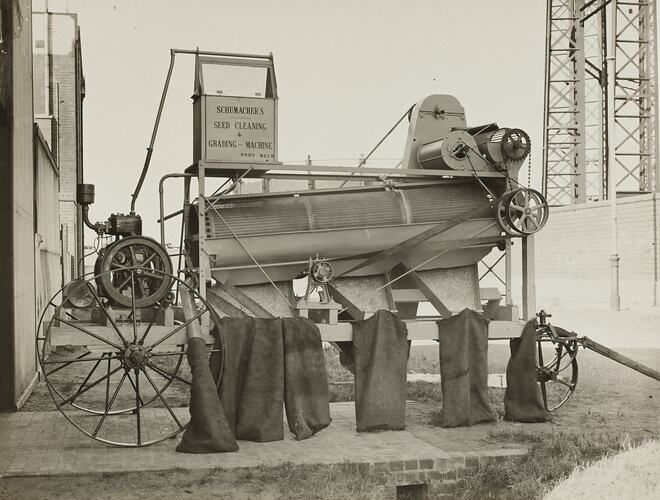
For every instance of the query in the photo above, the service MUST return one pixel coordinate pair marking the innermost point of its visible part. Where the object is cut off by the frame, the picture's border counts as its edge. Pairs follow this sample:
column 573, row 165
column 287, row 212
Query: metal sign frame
column 201, row 98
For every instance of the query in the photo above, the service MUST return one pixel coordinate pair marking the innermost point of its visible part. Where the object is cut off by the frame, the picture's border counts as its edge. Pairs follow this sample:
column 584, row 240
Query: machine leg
column 528, row 278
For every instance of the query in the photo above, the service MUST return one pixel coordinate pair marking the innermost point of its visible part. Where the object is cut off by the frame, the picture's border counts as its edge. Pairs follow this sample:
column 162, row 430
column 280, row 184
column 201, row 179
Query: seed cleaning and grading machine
column 371, row 238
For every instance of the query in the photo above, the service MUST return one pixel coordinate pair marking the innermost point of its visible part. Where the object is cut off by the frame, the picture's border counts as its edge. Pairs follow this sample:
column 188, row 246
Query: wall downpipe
column 615, row 298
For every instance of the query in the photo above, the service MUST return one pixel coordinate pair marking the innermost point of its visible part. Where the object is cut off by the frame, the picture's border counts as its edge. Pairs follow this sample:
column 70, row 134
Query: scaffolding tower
column 584, row 39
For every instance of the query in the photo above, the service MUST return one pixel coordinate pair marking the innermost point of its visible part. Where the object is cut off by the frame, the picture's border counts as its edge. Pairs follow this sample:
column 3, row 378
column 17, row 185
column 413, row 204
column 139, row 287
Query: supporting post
column 204, row 269
column 656, row 250
column 508, row 272
column 528, row 278
column 311, row 183
column 579, row 191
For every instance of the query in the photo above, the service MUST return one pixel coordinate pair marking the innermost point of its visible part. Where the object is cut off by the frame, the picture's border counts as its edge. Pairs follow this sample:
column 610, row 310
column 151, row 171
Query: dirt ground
column 610, row 399
column 298, row 483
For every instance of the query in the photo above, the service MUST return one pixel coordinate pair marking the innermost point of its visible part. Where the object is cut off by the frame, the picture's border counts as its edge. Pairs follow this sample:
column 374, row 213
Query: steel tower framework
column 577, row 132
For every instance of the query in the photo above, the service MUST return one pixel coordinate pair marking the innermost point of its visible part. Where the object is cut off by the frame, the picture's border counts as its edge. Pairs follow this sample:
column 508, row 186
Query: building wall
column 48, row 270
column 17, row 311
column 573, row 254
column 58, row 95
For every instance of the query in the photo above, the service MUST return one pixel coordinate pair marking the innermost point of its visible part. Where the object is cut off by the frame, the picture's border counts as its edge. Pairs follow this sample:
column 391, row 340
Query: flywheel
column 135, row 266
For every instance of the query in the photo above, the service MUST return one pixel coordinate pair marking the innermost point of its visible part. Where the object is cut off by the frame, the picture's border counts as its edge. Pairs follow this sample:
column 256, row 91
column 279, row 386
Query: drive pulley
column 522, row 212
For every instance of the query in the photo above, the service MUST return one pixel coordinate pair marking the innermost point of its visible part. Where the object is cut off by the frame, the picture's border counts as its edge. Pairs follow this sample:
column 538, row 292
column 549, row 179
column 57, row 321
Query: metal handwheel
column 558, row 376
column 110, row 381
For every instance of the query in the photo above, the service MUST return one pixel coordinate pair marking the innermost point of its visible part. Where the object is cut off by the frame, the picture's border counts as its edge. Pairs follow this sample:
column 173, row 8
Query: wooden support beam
column 244, row 300
column 425, row 235
column 388, row 291
column 224, row 305
column 620, row 358
column 417, row 330
column 351, row 308
column 414, row 295
column 427, row 292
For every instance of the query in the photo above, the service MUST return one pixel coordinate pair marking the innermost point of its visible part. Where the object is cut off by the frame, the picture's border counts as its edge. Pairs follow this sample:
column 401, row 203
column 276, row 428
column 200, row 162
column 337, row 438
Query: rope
column 251, row 256
column 229, row 189
column 418, row 266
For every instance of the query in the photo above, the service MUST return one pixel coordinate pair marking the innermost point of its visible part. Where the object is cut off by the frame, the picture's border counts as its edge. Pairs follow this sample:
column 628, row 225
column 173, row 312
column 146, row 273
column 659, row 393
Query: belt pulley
column 522, row 212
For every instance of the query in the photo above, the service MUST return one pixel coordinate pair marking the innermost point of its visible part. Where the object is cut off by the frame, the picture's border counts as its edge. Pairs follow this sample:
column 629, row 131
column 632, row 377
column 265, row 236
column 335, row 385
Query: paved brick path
column 45, row 443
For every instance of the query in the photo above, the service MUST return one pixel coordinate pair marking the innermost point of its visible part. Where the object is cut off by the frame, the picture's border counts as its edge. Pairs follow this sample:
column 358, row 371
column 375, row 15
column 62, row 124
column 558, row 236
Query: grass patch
column 418, row 391
column 516, row 436
column 336, row 372
column 423, row 363
column 297, row 482
column 341, row 392
column 287, row 480
column 551, row 459
column 424, row 391
column 496, row 396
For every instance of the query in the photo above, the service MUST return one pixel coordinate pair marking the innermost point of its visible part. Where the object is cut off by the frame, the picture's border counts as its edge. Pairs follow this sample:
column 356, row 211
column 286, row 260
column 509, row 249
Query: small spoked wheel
column 522, row 212
column 119, row 375
column 322, row 271
column 515, row 144
column 559, row 375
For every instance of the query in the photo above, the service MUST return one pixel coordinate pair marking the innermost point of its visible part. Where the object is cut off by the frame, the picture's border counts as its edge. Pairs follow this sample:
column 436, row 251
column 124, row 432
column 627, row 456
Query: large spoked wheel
column 125, row 383
column 525, row 211
column 559, row 375
column 147, row 284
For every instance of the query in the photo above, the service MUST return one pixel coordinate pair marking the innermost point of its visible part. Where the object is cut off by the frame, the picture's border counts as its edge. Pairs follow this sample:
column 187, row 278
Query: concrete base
column 44, row 443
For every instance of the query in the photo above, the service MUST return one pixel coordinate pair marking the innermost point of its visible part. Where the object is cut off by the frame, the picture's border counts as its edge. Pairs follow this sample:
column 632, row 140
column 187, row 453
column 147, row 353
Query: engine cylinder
column 450, row 152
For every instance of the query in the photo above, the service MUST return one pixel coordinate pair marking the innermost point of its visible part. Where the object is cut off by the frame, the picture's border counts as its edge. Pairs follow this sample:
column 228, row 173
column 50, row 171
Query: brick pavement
column 45, row 443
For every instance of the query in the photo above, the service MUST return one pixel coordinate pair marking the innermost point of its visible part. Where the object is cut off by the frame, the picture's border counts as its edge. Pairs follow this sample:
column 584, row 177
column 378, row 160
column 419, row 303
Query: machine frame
column 51, row 333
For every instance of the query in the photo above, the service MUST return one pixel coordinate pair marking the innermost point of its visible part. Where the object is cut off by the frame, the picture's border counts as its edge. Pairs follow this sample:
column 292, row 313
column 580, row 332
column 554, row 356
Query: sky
column 346, row 72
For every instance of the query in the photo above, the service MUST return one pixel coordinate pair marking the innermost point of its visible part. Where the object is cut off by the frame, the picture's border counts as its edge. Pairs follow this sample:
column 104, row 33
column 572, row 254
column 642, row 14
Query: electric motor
column 504, row 146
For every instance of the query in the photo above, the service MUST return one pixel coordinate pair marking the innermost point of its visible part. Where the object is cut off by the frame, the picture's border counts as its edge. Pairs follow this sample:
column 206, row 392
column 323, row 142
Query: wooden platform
column 417, row 330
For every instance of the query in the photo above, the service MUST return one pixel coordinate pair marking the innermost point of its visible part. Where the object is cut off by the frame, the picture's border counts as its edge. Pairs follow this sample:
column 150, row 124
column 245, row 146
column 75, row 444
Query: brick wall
column 573, row 254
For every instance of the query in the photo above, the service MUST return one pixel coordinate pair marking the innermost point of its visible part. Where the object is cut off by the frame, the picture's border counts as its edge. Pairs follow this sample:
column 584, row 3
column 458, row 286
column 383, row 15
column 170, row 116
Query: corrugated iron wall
column 48, row 271
column 17, row 310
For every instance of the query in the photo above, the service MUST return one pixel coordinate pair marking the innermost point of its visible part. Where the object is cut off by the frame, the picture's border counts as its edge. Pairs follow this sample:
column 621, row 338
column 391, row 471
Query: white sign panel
column 240, row 129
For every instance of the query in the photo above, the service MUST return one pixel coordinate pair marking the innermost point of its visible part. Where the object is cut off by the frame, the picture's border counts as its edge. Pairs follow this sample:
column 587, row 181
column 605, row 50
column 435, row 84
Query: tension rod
column 364, row 160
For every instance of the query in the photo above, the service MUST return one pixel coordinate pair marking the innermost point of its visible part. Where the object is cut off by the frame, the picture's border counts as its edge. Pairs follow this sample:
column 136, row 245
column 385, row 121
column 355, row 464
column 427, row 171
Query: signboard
column 239, row 129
